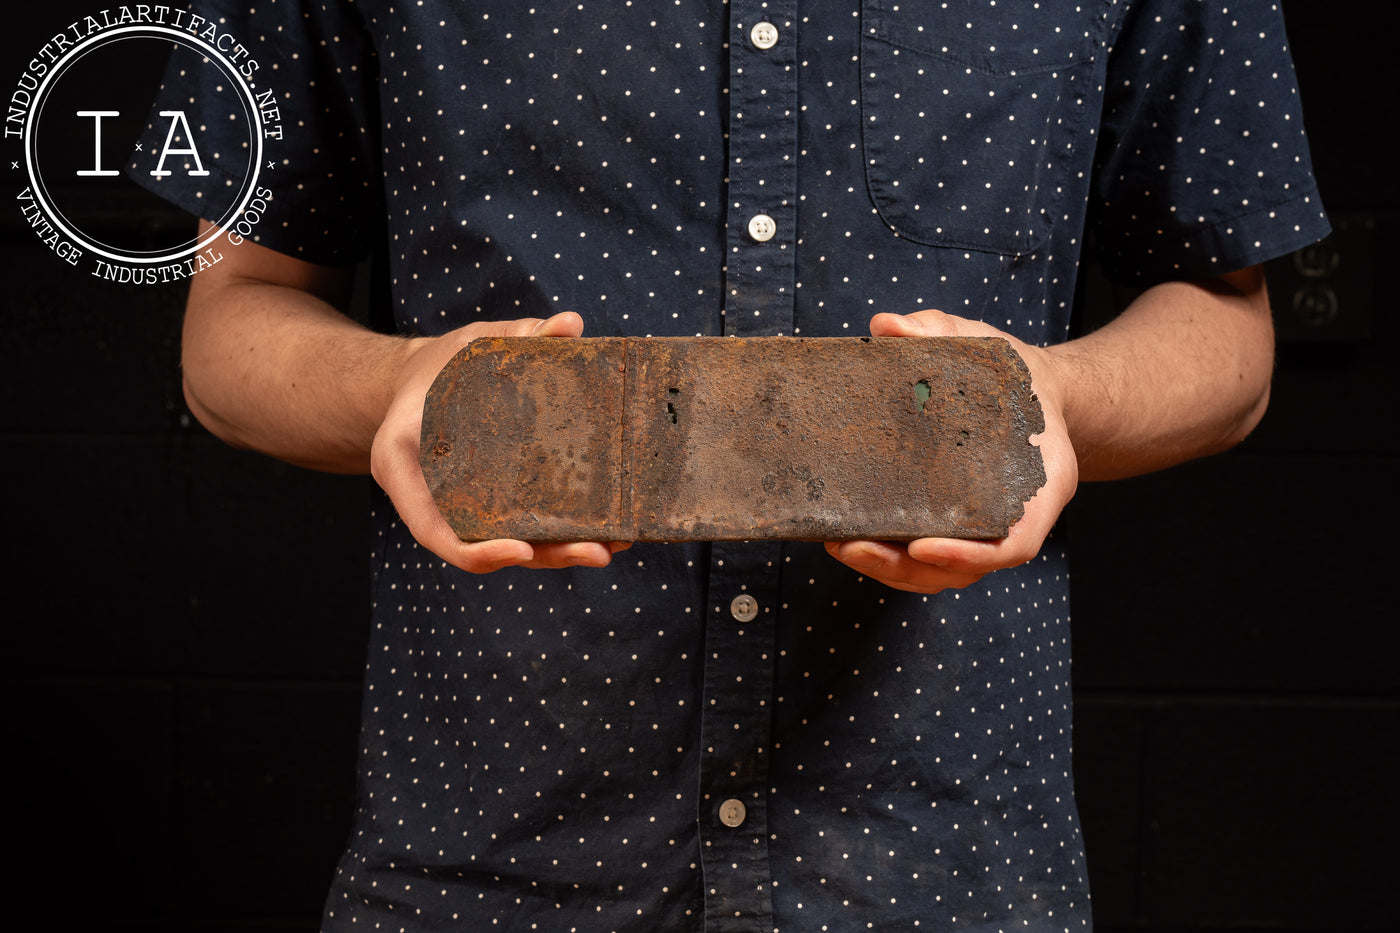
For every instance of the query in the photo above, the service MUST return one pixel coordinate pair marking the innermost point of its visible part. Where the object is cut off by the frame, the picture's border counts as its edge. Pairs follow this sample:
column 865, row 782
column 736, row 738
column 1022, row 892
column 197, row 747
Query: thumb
column 433, row 353
column 928, row 323
column 563, row 324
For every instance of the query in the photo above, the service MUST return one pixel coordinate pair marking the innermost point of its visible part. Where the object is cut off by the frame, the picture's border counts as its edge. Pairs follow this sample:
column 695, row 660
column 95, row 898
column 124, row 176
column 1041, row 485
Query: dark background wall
column 184, row 624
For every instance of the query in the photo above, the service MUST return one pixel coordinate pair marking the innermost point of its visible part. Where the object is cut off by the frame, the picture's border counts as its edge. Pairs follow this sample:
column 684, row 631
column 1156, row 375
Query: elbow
column 1254, row 384
column 1249, row 420
column 1251, row 363
column 192, row 401
column 205, row 414
column 207, row 378
column 1257, row 358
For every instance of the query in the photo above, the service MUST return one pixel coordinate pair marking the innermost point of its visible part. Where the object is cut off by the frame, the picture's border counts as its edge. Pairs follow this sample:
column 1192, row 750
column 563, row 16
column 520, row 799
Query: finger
column 955, row 555
column 892, row 565
column 485, row 556
column 573, row 554
column 489, row 556
column 563, row 324
column 442, row 349
column 929, row 323
column 576, row 554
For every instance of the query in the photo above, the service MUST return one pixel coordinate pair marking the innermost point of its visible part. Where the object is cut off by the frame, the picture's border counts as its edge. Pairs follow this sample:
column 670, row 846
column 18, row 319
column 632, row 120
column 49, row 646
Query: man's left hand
column 928, row 565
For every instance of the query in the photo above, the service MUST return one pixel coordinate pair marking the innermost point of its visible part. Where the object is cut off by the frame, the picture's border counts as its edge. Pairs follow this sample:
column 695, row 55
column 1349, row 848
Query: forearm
column 1183, row 372
column 279, row 370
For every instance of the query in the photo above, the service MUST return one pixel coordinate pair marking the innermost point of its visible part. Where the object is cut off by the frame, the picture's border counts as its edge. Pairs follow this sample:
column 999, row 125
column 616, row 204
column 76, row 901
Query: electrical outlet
column 1325, row 292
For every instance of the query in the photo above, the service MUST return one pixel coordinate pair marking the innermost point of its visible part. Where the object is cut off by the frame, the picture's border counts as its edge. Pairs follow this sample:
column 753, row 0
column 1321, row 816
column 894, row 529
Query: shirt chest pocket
column 971, row 122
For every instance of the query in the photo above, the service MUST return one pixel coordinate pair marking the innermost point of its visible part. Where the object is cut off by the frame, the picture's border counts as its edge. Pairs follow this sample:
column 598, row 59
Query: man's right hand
column 271, row 363
column 394, row 458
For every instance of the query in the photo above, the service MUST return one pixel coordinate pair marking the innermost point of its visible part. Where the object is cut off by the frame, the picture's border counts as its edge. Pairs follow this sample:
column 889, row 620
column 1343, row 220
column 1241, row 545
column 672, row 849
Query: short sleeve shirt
column 632, row 748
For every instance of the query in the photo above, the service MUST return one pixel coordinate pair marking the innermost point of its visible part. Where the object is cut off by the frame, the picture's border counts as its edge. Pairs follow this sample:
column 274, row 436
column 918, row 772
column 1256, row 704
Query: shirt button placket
column 740, row 648
column 736, row 734
column 760, row 282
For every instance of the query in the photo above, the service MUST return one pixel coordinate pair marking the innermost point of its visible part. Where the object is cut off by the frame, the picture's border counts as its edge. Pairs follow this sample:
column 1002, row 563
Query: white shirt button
column 732, row 813
column 764, row 36
column 762, row 227
column 744, row 608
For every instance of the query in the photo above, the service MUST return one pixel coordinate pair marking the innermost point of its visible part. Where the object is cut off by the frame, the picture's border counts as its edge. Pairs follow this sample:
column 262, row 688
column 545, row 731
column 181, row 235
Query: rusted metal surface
column 682, row 439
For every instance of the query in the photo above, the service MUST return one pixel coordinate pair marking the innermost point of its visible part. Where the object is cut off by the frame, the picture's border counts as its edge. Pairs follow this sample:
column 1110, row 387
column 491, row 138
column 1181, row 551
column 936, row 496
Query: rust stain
column 681, row 439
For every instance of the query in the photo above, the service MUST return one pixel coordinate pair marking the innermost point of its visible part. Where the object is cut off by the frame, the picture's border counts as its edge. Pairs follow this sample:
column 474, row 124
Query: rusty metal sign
column 714, row 438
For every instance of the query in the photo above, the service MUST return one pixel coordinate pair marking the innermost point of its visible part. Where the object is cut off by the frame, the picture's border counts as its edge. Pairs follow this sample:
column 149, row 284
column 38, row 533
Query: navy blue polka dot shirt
column 640, row 748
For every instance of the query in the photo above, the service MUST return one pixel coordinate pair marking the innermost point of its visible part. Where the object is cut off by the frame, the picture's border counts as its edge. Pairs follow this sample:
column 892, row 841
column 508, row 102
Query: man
column 879, row 740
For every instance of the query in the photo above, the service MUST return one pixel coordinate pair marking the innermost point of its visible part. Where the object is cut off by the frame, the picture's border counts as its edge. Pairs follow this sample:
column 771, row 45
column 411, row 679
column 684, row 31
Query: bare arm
column 1183, row 372
column 272, row 364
